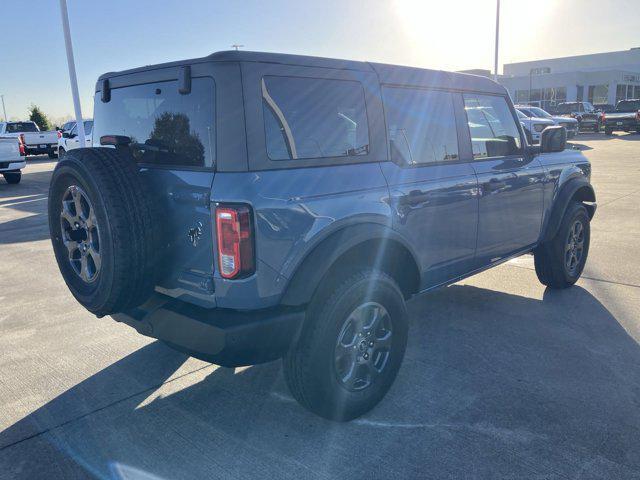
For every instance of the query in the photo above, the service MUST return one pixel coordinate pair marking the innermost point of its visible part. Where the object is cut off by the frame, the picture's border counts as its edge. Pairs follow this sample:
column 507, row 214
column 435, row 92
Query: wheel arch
column 363, row 244
column 574, row 190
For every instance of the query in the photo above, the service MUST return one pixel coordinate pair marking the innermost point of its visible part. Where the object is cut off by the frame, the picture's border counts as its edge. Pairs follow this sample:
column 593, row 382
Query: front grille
column 4, row 164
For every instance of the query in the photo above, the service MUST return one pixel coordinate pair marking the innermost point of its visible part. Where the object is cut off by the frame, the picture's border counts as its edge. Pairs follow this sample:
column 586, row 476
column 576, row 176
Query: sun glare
column 460, row 33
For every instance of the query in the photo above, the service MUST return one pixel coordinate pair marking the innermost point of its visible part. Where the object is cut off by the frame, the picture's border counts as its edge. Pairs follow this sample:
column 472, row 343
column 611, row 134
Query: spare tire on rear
column 103, row 229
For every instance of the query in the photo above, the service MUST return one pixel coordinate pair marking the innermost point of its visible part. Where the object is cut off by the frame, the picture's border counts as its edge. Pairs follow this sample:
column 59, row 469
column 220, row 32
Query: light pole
column 72, row 71
column 6, row 119
column 495, row 63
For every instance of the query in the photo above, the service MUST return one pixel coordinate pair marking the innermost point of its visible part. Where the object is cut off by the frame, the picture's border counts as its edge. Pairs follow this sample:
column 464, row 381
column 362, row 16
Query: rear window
column 628, row 106
column 163, row 126
column 564, row 108
column 314, row 118
column 21, row 127
column 422, row 126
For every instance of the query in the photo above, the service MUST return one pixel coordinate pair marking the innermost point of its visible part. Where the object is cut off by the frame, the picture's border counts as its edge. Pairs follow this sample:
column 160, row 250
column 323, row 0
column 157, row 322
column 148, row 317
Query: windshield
column 628, row 106
column 21, row 127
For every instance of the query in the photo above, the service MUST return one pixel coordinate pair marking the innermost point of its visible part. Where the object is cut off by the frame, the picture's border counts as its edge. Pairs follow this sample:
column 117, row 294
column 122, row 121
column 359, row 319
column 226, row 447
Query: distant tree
column 36, row 115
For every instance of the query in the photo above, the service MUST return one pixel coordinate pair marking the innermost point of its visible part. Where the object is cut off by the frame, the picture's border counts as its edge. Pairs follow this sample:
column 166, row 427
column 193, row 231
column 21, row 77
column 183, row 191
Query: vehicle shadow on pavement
column 493, row 385
column 23, row 209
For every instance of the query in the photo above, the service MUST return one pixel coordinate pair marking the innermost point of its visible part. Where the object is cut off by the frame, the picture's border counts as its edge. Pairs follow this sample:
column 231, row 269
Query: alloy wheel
column 574, row 247
column 363, row 347
column 81, row 234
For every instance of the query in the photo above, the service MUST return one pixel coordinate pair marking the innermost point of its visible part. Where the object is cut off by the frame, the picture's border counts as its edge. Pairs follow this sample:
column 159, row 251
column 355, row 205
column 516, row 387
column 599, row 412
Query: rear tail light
column 603, row 117
column 235, row 241
column 59, row 134
column 21, row 145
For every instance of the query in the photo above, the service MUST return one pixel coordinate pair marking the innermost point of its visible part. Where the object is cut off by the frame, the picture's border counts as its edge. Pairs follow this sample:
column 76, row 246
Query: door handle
column 415, row 197
column 494, row 184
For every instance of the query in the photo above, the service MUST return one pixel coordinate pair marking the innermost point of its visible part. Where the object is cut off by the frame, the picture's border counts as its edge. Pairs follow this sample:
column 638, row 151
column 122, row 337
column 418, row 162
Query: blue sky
column 452, row 34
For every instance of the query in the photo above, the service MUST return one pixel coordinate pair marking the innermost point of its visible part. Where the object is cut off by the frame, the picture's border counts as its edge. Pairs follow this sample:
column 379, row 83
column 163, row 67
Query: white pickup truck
column 35, row 141
column 11, row 159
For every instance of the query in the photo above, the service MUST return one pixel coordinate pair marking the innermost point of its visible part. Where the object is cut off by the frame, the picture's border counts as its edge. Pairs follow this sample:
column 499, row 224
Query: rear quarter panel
column 294, row 210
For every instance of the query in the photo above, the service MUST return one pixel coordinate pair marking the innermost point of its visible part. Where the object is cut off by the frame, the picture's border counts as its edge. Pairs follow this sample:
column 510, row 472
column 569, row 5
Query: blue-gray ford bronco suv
column 245, row 207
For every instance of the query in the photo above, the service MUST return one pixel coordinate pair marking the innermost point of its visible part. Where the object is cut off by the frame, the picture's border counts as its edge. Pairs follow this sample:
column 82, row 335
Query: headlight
column 538, row 127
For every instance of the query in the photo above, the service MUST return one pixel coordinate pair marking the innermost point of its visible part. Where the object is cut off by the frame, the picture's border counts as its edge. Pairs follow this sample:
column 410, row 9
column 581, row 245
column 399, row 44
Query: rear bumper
column 226, row 337
column 37, row 150
column 12, row 166
column 623, row 124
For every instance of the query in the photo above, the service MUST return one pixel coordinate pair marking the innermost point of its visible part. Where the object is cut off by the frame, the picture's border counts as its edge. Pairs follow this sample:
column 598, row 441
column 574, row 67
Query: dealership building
column 599, row 78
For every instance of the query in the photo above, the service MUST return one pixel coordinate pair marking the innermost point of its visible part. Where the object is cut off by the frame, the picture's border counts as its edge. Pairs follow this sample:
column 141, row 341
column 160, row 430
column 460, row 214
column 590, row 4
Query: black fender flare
column 578, row 188
column 316, row 264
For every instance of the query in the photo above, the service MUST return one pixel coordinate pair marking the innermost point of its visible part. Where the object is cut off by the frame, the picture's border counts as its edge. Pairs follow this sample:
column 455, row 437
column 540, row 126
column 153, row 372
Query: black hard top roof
column 387, row 74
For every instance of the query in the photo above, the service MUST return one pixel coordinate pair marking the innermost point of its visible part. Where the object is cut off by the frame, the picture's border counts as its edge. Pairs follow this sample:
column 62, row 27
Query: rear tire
column 12, row 177
column 103, row 229
column 560, row 261
column 335, row 341
column 61, row 152
column 53, row 155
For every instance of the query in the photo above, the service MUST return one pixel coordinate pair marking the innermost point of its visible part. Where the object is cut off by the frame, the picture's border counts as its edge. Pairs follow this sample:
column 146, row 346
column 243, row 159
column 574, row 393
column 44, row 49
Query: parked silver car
column 533, row 126
column 570, row 124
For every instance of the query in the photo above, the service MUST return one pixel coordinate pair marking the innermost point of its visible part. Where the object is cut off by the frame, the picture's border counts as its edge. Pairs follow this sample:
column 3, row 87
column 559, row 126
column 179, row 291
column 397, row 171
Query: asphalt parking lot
column 502, row 378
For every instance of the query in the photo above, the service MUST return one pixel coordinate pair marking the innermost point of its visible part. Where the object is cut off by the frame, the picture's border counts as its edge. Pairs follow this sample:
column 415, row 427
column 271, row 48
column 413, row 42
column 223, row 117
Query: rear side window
column 314, row 118
column 21, row 127
column 493, row 129
column 422, row 126
column 162, row 126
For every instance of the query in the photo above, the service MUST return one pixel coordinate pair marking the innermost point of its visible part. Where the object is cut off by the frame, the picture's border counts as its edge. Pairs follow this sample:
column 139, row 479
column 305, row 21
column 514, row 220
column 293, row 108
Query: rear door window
column 422, row 126
column 162, row 126
column 314, row 118
column 494, row 132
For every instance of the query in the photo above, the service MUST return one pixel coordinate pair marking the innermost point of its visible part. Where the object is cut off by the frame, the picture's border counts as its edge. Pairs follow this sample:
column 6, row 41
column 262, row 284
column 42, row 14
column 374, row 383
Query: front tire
column 13, row 177
column 560, row 261
column 351, row 346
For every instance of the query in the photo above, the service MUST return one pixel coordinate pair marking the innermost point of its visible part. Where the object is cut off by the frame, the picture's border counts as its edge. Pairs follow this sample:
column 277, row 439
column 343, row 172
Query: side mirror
column 553, row 139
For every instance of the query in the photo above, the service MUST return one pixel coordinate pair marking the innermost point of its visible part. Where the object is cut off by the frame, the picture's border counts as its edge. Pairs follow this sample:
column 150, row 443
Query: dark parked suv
column 244, row 207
